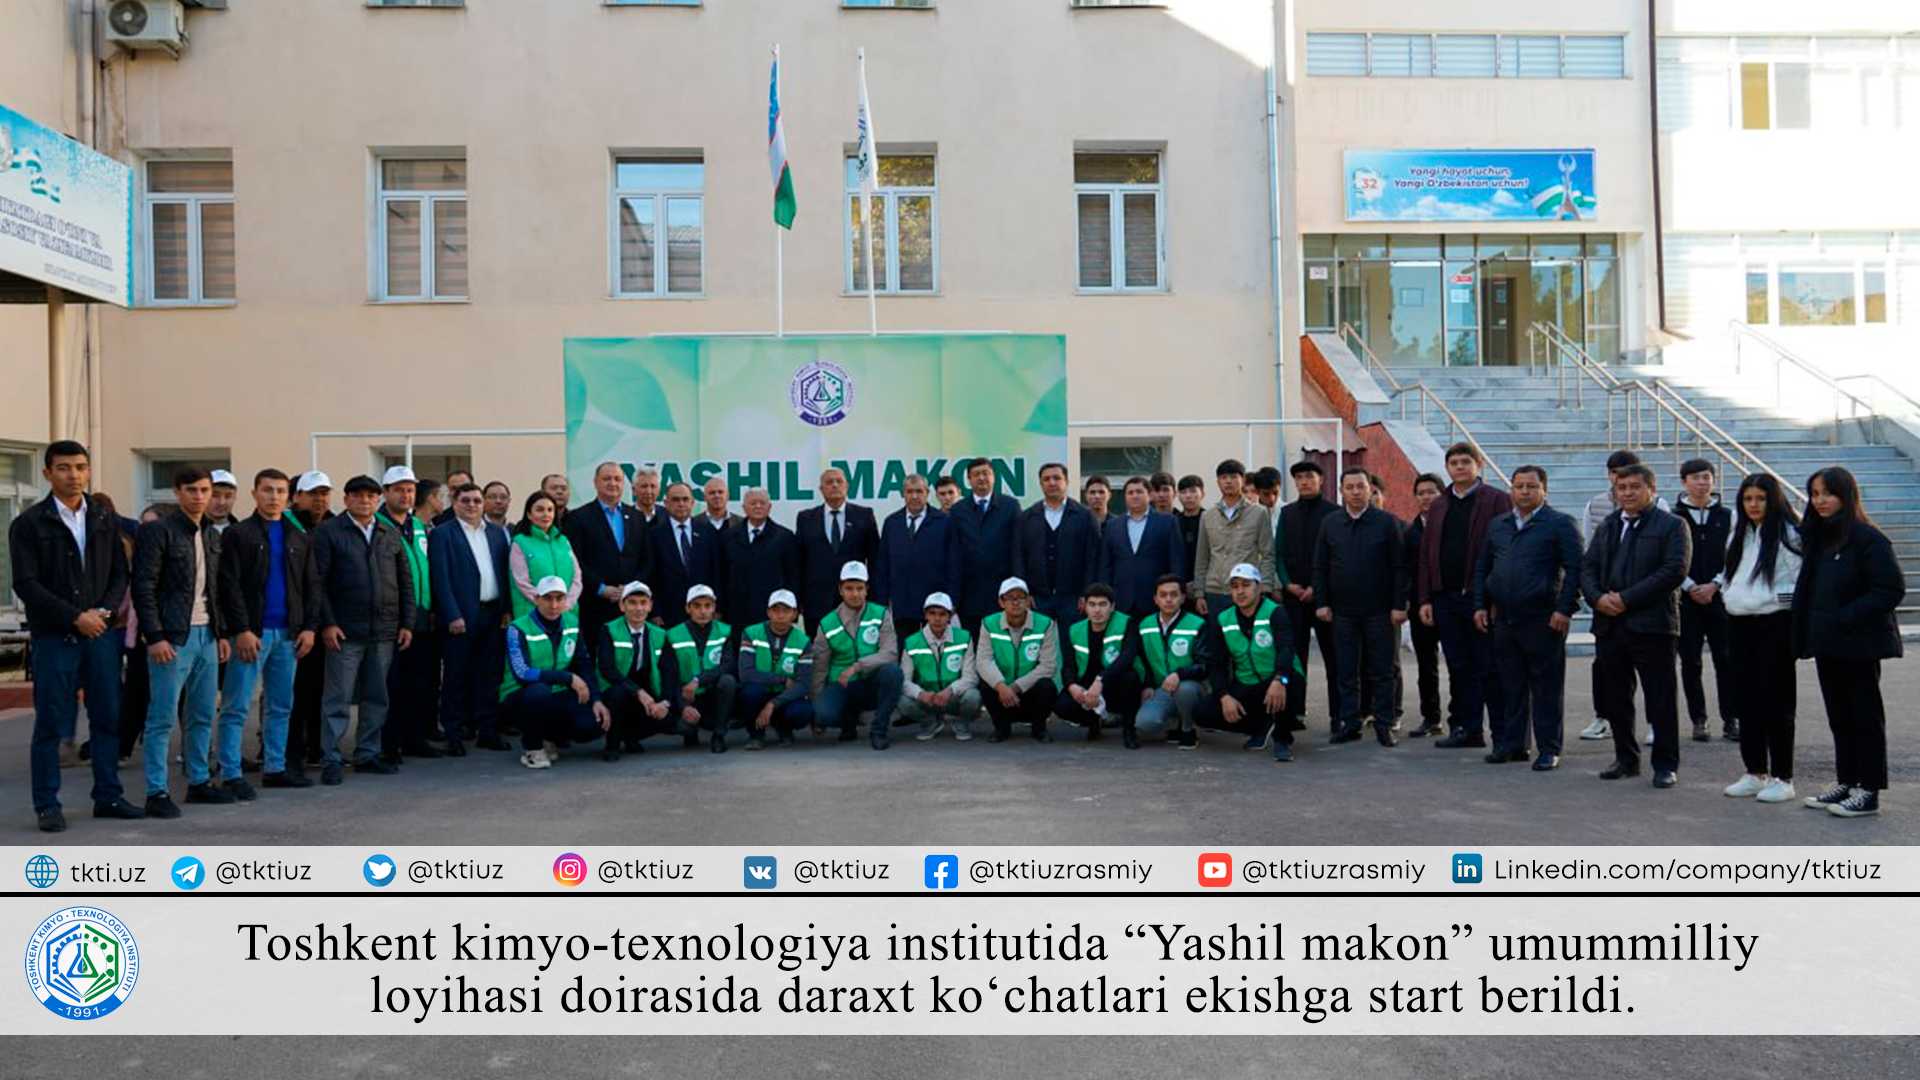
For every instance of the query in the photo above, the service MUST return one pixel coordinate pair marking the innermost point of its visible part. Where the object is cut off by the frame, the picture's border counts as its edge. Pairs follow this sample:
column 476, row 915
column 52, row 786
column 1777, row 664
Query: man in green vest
column 547, row 689
column 1098, row 669
column 855, row 663
column 413, row 682
column 1252, row 667
column 776, row 669
column 636, row 678
column 704, row 661
column 938, row 686
column 1174, row 650
column 1016, row 662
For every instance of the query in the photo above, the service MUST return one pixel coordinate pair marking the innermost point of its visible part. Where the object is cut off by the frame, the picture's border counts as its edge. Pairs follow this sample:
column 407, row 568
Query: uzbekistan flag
column 783, row 201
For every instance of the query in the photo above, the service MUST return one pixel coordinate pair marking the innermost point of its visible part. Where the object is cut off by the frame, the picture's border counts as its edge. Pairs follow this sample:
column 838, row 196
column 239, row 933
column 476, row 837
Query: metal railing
column 1457, row 429
column 1365, row 352
column 1858, row 409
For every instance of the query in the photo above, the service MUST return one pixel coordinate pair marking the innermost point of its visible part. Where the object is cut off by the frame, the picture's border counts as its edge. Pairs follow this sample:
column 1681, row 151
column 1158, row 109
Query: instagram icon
column 570, row 869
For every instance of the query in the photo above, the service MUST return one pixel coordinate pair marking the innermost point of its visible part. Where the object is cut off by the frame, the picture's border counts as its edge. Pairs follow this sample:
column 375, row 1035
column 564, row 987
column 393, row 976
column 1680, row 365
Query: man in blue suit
column 467, row 564
column 1055, row 548
column 1136, row 549
column 983, row 525
column 917, row 558
column 686, row 552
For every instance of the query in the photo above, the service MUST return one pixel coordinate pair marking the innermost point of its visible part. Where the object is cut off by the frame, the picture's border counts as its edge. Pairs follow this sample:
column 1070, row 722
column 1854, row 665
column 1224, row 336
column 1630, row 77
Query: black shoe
column 998, row 737
column 717, row 743
column 1861, row 803
column 1730, row 731
column 1664, row 778
column 1384, row 734
column 785, row 738
column 1259, row 739
column 85, row 753
column 1189, row 740
column 1546, row 763
column 491, row 742
column 1282, row 753
column 248, row 765
column 1502, row 757
column 609, row 755
column 392, row 757
column 1043, row 735
column 52, row 820
column 690, row 740
column 120, row 809
column 633, row 746
column 508, row 731
column 376, row 766
column 849, row 733
column 288, row 779
column 1129, row 738
column 332, row 774
column 757, row 741
column 1425, row 730
column 161, row 806
column 422, row 750
column 313, row 757
column 1345, row 734
column 1460, row 739
column 1093, row 730
column 879, row 741
column 240, row 790
column 1620, row 770
column 456, row 748
column 1838, row 793
column 1700, row 731
column 208, row 793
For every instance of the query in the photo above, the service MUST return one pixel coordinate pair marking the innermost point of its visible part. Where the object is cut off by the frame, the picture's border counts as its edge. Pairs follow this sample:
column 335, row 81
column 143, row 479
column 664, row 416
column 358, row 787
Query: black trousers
column 631, row 722
column 1119, row 689
column 788, row 718
column 475, row 663
column 135, row 693
column 1367, row 640
column 1858, row 717
column 546, row 716
column 413, row 693
column 1426, row 657
column 303, row 726
column 1035, row 703
column 1532, row 660
column 1762, row 645
column 1253, row 702
column 1648, row 659
column 1304, row 624
column 1705, row 623
column 1470, row 668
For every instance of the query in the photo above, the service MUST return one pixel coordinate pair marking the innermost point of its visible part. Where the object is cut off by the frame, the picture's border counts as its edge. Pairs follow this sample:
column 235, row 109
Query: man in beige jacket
column 1234, row 530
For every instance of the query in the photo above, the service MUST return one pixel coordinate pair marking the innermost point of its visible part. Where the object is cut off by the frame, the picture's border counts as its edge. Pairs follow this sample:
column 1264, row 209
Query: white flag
column 866, row 158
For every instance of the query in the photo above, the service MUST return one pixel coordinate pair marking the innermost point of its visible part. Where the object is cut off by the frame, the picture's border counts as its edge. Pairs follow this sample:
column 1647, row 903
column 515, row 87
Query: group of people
column 669, row 614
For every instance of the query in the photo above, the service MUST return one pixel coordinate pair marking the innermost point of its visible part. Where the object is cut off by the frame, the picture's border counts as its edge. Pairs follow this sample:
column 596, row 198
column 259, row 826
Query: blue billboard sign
column 1470, row 185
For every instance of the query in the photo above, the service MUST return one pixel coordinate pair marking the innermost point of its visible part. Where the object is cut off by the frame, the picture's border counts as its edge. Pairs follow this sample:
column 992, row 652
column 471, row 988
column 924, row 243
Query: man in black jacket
column 312, row 508
column 758, row 559
column 1631, row 576
column 1055, row 548
column 1703, row 615
column 363, row 593
column 983, row 523
column 832, row 535
column 266, row 582
column 1526, row 587
column 1426, row 639
column 609, row 541
column 1300, row 522
column 1360, row 588
column 70, row 573
column 686, row 552
column 176, row 597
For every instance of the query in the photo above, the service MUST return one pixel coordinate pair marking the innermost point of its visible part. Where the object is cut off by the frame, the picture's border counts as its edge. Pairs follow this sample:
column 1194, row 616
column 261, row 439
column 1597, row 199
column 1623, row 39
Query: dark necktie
column 1623, row 553
column 686, row 548
column 834, row 536
column 913, row 526
column 752, row 535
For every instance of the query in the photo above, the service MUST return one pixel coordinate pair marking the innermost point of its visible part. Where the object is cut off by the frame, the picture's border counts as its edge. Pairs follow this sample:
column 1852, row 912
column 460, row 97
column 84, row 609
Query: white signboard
column 66, row 212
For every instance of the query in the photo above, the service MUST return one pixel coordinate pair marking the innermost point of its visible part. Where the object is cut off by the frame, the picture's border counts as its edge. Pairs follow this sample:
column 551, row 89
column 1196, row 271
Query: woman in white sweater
column 1763, row 563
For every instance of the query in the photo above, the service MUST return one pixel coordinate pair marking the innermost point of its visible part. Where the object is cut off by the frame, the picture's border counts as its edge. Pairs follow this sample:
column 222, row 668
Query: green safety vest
column 1173, row 649
column 1253, row 661
column 543, row 653
column 413, row 541
column 936, row 667
column 1013, row 667
column 844, row 649
column 548, row 554
column 691, row 659
column 760, row 639
column 622, row 636
column 1110, row 642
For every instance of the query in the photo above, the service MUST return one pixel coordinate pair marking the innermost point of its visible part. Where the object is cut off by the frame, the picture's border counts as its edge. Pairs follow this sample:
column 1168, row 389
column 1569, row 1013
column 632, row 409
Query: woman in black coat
column 1843, row 618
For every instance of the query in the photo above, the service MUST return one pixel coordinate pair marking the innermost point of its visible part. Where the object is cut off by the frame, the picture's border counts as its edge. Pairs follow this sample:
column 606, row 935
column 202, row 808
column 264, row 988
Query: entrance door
column 1497, row 314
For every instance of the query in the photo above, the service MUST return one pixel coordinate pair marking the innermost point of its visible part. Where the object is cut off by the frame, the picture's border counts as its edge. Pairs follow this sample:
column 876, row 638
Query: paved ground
column 1019, row 792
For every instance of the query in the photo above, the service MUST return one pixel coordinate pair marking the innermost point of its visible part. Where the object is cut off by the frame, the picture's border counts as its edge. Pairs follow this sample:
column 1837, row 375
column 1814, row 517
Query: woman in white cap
column 547, row 689
column 541, row 550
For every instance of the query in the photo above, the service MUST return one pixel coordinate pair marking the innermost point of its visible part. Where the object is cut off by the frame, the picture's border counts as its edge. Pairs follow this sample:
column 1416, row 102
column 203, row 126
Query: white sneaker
column 962, row 729
column 1749, row 786
column 535, row 759
column 1777, row 790
column 1599, row 729
column 928, row 731
column 552, row 751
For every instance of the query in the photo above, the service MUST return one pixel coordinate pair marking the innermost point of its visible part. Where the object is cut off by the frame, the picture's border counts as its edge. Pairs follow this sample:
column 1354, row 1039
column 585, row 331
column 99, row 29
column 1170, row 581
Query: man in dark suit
column 758, row 559
column 1631, row 577
column 831, row 535
column 983, row 524
column 610, row 542
column 1300, row 522
column 686, row 552
column 1056, row 548
column 917, row 558
column 1136, row 549
column 467, row 563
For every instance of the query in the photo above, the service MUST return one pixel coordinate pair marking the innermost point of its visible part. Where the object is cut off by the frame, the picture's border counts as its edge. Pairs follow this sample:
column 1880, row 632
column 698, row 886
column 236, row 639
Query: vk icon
column 760, row 871
column 1466, row 868
column 943, row 872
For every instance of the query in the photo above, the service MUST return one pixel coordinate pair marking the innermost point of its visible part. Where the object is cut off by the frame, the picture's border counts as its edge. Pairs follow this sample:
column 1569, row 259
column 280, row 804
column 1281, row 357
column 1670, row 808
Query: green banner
column 773, row 412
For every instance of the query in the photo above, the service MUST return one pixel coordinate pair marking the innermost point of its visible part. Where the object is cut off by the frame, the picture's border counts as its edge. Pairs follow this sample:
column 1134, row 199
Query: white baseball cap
column 1011, row 584
column 854, row 571
column 938, row 600
column 549, row 585
column 222, row 476
column 635, row 588
column 314, row 481
column 699, row 592
column 1245, row 571
column 398, row 474
column 783, row 596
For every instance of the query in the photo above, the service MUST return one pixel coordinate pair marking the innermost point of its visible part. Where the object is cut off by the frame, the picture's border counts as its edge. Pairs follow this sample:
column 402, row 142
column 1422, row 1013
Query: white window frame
column 382, row 196
column 660, row 196
column 22, row 493
column 1499, row 49
column 147, row 459
column 1116, row 221
column 193, row 201
column 890, row 197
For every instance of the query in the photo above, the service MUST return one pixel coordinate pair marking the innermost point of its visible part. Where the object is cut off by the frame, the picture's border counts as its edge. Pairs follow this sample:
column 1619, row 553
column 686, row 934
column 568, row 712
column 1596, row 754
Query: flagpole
column 779, row 240
column 867, row 193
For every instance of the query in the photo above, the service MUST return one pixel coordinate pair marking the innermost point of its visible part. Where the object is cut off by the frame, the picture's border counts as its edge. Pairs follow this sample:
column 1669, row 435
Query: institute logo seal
column 821, row 393
column 82, row 963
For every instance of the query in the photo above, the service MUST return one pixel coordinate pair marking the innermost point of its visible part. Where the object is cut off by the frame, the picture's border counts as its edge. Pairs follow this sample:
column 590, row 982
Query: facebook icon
column 943, row 872
column 1466, row 868
column 761, row 871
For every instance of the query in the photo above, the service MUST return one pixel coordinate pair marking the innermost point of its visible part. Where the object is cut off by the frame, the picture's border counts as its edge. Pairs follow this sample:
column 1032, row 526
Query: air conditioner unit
column 148, row 24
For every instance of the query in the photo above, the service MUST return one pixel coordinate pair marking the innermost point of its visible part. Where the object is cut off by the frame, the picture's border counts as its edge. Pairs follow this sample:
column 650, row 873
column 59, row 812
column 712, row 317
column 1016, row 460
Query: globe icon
column 42, row 871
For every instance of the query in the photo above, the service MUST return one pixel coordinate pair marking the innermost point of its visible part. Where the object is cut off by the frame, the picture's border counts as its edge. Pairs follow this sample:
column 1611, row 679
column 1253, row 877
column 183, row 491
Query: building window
column 422, row 227
column 1768, row 84
column 652, row 3
column 1119, row 460
column 1336, row 54
column 189, row 232
column 416, row 3
column 922, row 5
column 1759, row 298
column 652, row 198
column 1115, row 3
column 1816, row 297
column 429, row 462
column 905, row 252
column 158, row 467
column 1120, row 201
column 1466, row 56
column 19, row 489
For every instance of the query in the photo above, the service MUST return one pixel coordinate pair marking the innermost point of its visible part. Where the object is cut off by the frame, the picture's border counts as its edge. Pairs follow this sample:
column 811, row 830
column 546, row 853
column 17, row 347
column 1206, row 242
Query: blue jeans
column 194, row 673
column 274, row 670
column 1159, row 711
column 840, row 706
column 62, row 666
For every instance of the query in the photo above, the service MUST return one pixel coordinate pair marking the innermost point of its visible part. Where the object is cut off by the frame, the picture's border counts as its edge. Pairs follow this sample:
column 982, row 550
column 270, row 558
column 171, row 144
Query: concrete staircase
column 1517, row 418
